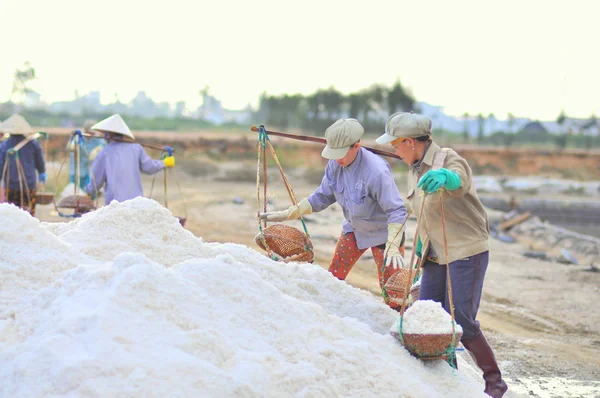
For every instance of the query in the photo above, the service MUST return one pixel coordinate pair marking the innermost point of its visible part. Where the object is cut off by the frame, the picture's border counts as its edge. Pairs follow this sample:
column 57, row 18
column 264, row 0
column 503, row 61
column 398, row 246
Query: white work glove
column 292, row 213
column 393, row 257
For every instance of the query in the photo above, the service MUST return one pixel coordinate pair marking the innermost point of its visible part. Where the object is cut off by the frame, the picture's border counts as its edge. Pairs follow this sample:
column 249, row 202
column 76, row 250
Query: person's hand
column 393, row 257
column 292, row 212
column 169, row 161
column 43, row 177
column 436, row 179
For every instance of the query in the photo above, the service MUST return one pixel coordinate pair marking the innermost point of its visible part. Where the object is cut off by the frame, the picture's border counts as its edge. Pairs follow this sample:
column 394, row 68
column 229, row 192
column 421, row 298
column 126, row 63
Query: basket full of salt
column 426, row 330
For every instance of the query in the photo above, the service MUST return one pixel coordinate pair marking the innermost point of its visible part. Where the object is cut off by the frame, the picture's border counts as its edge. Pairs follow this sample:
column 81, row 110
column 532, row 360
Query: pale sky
column 531, row 58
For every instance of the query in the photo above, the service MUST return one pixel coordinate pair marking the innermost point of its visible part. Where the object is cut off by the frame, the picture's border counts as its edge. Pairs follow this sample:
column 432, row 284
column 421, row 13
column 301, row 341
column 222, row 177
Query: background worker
column 119, row 165
column 433, row 169
column 20, row 189
column 89, row 149
column 363, row 185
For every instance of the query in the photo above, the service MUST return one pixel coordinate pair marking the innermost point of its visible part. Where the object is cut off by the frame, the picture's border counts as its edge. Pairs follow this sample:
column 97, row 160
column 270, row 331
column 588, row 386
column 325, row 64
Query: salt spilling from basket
column 426, row 330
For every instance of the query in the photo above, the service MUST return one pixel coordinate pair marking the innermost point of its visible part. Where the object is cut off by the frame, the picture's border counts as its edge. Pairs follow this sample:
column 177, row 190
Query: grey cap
column 405, row 125
column 340, row 136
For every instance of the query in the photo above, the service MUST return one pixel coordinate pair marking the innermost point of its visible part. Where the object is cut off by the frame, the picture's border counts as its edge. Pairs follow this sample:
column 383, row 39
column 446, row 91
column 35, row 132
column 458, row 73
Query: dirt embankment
column 575, row 164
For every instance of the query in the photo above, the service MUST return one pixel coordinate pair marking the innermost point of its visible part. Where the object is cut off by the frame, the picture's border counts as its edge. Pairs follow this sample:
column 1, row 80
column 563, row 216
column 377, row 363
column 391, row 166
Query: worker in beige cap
column 362, row 184
column 444, row 172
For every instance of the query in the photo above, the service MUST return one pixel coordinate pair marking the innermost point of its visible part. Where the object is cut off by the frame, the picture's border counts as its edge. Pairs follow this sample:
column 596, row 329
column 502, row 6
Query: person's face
column 405, row 148
column 350, row 156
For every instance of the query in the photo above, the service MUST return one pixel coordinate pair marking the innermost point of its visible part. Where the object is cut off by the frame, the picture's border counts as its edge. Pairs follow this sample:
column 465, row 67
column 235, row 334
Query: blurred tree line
column 313, row 113
column 42, row 117
column 317, row 111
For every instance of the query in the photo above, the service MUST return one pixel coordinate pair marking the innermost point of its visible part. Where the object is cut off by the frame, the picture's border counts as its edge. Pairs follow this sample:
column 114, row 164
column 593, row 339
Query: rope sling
column 80, row 203
column 279, row 230
column 449, row 354
column 163, row 154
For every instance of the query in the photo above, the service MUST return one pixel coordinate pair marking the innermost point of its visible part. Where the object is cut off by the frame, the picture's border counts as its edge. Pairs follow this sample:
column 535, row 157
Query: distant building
column 212, row 111
column 534, row 127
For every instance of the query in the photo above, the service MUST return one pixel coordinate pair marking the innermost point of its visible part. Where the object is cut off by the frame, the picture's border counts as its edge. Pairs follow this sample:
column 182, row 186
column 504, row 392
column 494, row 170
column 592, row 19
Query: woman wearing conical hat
column 119, row 165
column 20, row 188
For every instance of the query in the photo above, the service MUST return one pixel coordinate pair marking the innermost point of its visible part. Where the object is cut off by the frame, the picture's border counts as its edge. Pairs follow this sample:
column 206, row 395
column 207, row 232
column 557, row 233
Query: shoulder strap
column 439, row 158
column 27, row 140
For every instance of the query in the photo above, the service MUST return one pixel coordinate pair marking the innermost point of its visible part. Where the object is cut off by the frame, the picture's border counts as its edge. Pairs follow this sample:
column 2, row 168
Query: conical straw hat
column 114, row 124
column 16, row 124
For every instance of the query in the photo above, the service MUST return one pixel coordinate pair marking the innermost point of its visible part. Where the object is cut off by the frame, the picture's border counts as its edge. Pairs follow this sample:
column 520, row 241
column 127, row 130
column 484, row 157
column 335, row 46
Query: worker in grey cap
column 362, row 184
column 441, row 170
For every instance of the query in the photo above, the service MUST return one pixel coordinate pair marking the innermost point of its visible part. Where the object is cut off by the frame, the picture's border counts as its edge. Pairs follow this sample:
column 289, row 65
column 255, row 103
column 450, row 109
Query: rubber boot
column 483, row 356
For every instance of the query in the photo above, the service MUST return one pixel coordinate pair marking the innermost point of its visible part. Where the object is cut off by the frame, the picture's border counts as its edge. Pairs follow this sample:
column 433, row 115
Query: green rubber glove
column 419, row 247
column 436, row 179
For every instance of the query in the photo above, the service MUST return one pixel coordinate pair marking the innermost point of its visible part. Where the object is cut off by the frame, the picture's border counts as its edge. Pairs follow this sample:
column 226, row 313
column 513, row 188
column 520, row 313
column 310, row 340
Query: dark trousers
column 467, row 283
column 14, row 196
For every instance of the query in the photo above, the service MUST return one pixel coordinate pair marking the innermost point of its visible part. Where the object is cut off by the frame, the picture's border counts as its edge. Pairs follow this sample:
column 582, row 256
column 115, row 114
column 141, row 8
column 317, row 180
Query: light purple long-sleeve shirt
column 368, row 195
column 118, row 166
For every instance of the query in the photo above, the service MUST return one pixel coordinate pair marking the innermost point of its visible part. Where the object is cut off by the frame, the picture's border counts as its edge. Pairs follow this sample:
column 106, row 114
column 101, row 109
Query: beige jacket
column 467, row 225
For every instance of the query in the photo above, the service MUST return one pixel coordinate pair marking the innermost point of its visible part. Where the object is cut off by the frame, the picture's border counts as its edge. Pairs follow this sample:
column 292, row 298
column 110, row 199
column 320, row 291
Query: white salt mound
column 140, row 225
column 228, row 323
column 426, row 317
column 30, row 256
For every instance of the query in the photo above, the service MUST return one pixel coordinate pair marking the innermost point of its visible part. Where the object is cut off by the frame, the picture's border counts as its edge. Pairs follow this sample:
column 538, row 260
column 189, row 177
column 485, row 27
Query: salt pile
column 140, row 225
column 426, row 317
column 30, row 256
column 229, row 322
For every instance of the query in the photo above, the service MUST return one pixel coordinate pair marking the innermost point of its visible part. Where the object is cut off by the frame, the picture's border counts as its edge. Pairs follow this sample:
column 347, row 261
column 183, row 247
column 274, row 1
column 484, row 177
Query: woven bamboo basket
column 288, row 242
column 44, row 198
column 396, row 286
column 81, row 203
column 427, row 346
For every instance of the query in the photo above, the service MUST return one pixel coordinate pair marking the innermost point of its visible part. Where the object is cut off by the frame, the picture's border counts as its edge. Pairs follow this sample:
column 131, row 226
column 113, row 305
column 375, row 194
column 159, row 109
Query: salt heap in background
column 230, row 322
column 140, row 225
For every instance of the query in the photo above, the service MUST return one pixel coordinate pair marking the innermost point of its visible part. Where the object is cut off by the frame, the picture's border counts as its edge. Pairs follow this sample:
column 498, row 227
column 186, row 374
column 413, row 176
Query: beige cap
column 340, row 136
column 16, row 125
column 113, row 124
column 405, row 125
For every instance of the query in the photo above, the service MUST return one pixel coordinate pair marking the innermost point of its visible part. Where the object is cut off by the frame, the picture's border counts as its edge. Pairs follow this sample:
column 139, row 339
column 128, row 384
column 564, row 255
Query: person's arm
column 40, row 164
column 99, row 175
column 147, row 164
column 323, row 196
column 455, row 177
column 459, row 166
column 385, row 191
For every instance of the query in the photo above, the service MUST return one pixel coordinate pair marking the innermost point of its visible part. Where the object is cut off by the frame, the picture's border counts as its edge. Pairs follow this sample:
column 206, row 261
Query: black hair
column 423, row 138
